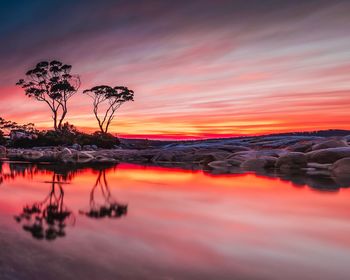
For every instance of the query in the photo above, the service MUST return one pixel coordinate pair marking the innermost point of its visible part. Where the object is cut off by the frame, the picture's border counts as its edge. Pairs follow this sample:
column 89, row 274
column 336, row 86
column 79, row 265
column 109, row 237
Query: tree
column 110, row 98
column 51, row 82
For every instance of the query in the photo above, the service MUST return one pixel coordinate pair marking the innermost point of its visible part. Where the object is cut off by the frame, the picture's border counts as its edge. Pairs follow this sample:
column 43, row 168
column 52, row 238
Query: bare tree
column 51, row 82
column 110, row 98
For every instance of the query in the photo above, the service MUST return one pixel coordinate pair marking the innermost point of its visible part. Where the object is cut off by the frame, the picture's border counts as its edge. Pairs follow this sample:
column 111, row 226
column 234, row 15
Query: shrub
column 67, row 136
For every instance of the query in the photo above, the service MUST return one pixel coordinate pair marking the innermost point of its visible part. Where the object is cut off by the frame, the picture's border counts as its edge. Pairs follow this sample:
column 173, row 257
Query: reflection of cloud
column 194, row 61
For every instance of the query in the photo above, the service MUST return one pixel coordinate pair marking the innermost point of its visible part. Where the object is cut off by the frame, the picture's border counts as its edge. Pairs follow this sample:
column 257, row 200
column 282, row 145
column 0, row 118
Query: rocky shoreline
column 310, row 155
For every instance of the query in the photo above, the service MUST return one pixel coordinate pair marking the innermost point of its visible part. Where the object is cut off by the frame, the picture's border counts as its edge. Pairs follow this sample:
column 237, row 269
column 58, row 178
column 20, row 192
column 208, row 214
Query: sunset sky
column 198, row 68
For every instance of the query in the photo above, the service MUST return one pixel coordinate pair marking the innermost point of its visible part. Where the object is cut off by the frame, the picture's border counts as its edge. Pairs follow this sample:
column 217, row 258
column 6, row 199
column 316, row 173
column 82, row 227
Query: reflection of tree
column 48, row 218
column 110, row 207
column 16, row 170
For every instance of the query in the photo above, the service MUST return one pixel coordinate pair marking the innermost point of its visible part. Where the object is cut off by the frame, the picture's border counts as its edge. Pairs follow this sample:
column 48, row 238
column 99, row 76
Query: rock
column 315, row 165
column 219, row 164
column 341, row 172
column 329, row 155
column 32, row 155
column 94, row 147
column 234, row 162
column 341, row 167
column 301, row 147
column 76, row 147
column 205, row 158
column 84, row 157
column 2, row 150
column 164, row 156
column 49, row 156
column 66, row 155
column 293, row 160
column 259, row 163
column 243, row 156
column 233, row 148
column 102, row 159
column 330, row 144
column 346, row 138
column 271, row 153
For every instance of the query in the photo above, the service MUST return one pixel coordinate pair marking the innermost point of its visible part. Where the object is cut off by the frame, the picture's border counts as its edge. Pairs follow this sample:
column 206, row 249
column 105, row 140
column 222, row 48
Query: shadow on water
column 47, row 219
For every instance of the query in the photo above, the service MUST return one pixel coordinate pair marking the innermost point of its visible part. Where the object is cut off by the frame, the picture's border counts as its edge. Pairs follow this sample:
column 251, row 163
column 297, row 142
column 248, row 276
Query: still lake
column 136, row 222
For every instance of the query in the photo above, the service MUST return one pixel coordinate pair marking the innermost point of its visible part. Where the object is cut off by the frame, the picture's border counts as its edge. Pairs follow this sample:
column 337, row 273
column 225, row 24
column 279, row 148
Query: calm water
column 178, row 225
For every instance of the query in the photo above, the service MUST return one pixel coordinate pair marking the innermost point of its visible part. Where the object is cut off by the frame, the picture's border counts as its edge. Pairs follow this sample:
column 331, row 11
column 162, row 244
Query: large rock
column 259, row 163
column 330, row 155
column 333, row 143
column 341, row 172
column 341, row 167
column 292, row 160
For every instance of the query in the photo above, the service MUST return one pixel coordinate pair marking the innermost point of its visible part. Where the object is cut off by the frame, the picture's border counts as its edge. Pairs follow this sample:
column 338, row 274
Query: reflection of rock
column 329, row 155
column 330, row 144
column 293, row 160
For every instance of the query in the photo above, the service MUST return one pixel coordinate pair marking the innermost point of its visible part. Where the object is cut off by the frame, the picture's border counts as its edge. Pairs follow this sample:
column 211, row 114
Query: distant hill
column 320, row 133
column 147, row 143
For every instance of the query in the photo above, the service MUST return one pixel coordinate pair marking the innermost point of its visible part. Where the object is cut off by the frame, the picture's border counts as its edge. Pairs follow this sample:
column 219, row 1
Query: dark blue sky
column 186, row 59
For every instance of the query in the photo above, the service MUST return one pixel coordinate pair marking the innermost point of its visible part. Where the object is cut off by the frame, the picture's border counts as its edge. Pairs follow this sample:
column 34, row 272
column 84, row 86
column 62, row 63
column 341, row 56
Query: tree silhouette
column 47, row 219
column 110, row 98
column 7, row 126
column 110, row 207
column 52, row 83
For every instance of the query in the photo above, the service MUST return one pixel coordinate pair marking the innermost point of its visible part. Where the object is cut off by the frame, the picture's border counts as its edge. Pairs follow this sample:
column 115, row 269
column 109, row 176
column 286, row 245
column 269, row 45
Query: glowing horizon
column 198, row 70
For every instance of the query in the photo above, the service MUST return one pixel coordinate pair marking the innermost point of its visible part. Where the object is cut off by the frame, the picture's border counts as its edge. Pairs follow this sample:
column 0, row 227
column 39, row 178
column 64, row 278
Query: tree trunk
column 55, row 120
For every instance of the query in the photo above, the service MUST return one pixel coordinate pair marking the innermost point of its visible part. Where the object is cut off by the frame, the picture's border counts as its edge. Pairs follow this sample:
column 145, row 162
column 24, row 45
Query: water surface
column 178, row 225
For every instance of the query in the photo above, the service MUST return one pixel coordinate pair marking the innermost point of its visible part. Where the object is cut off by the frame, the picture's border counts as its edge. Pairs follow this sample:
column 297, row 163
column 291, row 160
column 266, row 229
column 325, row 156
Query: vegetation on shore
column 53, row 83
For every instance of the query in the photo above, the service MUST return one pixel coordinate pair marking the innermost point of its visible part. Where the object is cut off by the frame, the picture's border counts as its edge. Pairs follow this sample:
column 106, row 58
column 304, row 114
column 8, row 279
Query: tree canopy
column 110, row 98
column 51, row 82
